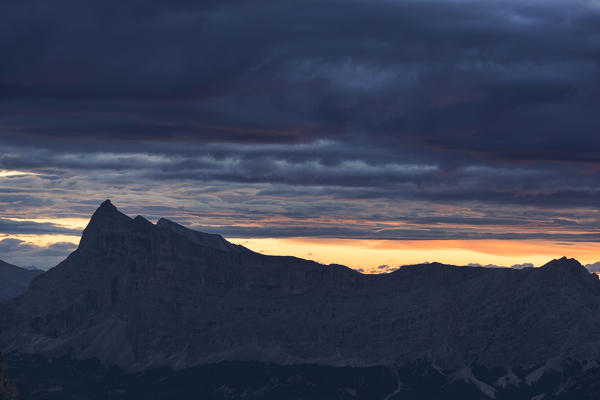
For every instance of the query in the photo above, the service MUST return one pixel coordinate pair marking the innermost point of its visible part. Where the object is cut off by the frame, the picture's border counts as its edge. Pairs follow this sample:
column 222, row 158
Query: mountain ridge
column 142, row 296
column 14, row 280
column 201, row 238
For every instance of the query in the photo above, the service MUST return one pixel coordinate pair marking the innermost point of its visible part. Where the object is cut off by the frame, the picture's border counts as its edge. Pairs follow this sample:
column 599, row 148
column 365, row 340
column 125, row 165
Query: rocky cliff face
column 141, row 295
column 8, row 391
column 14, row 280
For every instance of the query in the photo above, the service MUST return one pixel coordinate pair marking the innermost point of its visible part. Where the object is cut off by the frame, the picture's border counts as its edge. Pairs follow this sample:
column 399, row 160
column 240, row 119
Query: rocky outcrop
column 142, row 295
column 8, row 390
column 14, row 280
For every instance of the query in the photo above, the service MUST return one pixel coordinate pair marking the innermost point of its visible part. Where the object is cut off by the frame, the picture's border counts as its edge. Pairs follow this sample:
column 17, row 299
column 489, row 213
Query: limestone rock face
column 14, row 280
column 141, row 295
column 8, row 390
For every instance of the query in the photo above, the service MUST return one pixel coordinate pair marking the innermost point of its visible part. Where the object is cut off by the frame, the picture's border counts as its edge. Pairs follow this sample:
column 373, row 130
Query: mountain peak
column 166, row 222
column 106, row 218
column 108, row 211
column 141, row 220
column 563, row 270
column 107, row 203
column 564, row 262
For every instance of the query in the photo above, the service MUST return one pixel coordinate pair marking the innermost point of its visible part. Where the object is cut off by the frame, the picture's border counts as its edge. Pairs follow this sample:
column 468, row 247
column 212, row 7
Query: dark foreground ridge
column 8, row 390
column 67, row 379
column 144, row 297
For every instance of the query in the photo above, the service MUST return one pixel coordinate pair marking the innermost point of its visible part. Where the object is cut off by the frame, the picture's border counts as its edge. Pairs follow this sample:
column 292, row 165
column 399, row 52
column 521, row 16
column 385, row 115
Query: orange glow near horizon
column 367, row 255
column 42, row 240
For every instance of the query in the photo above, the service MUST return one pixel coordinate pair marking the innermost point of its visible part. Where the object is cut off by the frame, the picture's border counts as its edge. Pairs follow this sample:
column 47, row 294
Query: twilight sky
column 369, row 133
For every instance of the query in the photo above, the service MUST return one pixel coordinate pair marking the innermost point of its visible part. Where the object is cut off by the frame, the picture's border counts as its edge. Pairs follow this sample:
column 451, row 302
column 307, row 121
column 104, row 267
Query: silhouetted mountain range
column 14, row 280
column 142, row 296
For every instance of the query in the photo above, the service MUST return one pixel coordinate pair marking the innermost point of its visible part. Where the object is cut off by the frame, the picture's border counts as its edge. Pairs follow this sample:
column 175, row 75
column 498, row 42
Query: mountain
column 143, row 296
column 14, row 280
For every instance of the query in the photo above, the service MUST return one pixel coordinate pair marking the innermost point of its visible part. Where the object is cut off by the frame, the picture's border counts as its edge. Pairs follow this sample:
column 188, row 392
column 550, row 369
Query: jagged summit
column 107, row 210
column 563, row 262
column 141, row 220
column 108, row 213
column 567, row 271
column 166, row 223
column 107, row 204
column 567, row 267
column 106, row 218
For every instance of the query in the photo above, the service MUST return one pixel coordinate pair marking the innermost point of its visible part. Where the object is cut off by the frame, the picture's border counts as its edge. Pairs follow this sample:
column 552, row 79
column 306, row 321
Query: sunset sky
column 367, row 133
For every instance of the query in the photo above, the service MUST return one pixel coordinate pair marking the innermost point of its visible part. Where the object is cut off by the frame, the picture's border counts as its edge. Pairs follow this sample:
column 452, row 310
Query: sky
column 367, row 133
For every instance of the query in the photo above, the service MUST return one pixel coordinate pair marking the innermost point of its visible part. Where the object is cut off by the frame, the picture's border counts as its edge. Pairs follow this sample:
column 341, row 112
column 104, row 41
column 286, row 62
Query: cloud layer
column 24, row 254
column 432, row 119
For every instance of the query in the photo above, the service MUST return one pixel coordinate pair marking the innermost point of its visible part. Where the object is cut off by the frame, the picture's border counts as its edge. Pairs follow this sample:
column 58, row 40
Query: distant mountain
column 595, row 267
column 144, row 296
column 14, row 280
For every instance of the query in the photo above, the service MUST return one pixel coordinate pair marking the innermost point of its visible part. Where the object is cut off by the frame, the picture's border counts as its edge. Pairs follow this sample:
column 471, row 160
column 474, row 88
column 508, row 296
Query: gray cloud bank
column 24, row 254
column 429, row 119
column 8, row 226
column 503, row 81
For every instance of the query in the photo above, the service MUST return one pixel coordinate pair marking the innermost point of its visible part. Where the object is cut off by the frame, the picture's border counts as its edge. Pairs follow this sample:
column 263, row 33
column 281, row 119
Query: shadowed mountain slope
column 14, row 280
column 141, row 295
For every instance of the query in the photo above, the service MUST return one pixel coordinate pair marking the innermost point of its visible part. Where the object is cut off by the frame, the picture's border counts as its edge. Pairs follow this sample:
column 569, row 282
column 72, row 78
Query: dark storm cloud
column 500, row 79
column 8, row 226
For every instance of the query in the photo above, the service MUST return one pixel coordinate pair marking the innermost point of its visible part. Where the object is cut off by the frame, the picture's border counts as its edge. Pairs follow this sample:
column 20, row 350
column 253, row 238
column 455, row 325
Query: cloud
column 8, row 226
column 408, row 119
column 521, row 266
column 437, row 74
column 516, row 266
column 484, row 266
column 21, row 253
column 383, row 269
